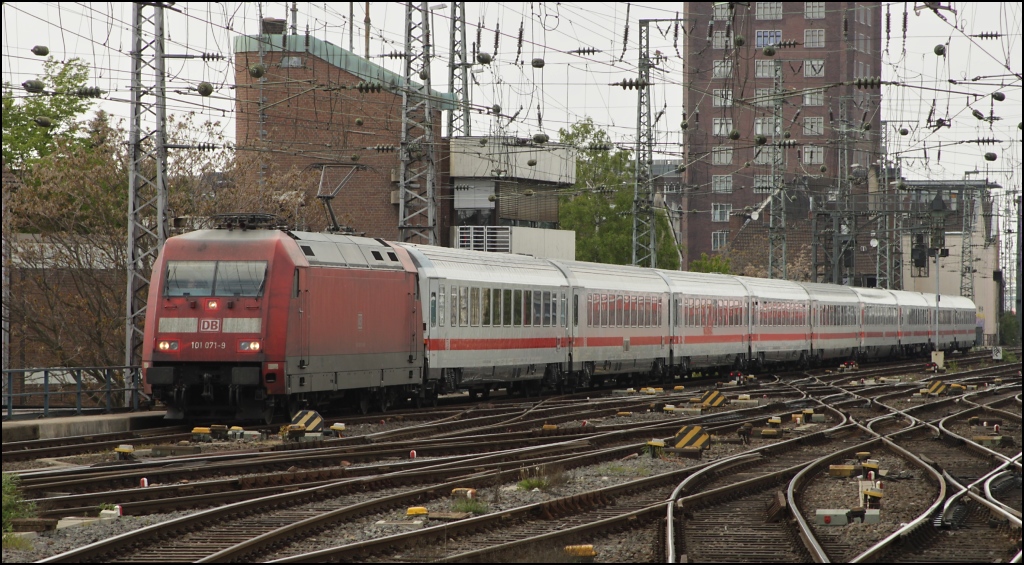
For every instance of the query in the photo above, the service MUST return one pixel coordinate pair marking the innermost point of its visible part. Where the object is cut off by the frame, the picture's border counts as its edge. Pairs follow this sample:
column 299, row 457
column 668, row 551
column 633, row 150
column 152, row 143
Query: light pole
column 938, row 212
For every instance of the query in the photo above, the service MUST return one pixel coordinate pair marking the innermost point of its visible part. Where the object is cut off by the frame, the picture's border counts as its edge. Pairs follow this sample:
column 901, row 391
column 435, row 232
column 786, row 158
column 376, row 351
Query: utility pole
column 417, row 207
column 777, row 210
column 645, row 235
column 352, row 27
column 1020, row 210
column 366, row 24
column 147, row 180
column 458, row 74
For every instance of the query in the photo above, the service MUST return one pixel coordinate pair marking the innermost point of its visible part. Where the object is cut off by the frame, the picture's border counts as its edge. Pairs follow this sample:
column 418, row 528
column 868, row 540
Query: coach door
column 415, row 319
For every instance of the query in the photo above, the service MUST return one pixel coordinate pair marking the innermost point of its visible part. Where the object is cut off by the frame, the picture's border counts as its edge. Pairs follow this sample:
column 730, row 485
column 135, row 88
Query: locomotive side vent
column 307, row 250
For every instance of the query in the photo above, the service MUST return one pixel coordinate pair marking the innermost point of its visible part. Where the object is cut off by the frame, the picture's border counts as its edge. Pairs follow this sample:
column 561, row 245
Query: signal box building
column 298, row 101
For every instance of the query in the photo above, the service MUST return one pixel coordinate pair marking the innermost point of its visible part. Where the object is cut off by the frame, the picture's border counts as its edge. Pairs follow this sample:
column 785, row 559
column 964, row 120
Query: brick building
column 295, row 102
column 816, row 131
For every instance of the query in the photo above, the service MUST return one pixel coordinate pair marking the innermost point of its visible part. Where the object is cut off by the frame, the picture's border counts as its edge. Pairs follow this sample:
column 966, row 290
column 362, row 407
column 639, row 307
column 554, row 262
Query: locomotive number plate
column 209, row 345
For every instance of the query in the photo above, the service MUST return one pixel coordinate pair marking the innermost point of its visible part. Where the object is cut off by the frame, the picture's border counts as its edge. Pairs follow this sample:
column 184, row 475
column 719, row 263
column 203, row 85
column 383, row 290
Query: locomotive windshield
column 215, row 278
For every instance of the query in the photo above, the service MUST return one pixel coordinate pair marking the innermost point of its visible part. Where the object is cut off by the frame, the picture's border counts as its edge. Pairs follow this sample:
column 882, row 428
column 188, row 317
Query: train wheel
column 364, row 403
column 804, row 363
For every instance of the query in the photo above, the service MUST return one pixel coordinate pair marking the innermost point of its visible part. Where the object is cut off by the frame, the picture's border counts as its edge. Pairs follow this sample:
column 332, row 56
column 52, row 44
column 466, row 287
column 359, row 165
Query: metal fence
column 83, row 389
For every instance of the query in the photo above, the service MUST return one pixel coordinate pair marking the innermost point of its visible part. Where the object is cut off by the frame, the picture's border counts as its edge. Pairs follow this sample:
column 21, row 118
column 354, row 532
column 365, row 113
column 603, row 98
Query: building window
column 768, row 155
column 763, row 184
column 814, row 155
column 768, row 11
column 763, row 126
column 763, row 97
column 722, row 98
column 722, row 10
column 814, row 126
column 814, row 38
column 814, row 98
column 719, row 240
column 721, row 212
column 768, row 37
column 721, row 156
column 721, row 184
column 764, row 68
column 720, row 40
column 722, row 69
column 722, row 126
column 814, row 10
column 814, row 67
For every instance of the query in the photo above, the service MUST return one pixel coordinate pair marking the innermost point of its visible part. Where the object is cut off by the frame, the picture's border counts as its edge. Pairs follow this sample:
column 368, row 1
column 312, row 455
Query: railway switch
column 219, row 432
column 581, row 553
column 125, row 452
column 201, row 435
column 464, row 493
column 831, row 517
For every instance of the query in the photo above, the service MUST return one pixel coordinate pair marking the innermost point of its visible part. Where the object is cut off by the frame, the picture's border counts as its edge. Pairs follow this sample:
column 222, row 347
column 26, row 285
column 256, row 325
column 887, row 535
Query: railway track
column 971, row 537
column 77, row 445
column 197, row 493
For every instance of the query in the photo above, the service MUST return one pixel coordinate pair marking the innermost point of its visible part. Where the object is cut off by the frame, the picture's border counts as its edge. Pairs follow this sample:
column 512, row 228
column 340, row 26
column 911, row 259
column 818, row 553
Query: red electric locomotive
column 240, row 320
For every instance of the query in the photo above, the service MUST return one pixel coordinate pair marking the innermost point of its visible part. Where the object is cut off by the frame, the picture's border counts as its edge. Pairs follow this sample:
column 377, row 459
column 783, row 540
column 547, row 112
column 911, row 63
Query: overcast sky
column 570, row 86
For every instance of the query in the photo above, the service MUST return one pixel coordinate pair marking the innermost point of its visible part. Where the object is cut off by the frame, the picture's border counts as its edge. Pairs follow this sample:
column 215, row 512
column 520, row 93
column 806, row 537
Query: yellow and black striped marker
column 713, row 398
column 937, row 387
column 692, row 436
column 311, row 420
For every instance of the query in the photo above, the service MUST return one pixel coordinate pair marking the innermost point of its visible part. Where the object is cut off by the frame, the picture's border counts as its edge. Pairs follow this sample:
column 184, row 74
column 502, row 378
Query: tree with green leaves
column 600, row 209
column 715, row 264
column 32, row 121
column 1009, row 331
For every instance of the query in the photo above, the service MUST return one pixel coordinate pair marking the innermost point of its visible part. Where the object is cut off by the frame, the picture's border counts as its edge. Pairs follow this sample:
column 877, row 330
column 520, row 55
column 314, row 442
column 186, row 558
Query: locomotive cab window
column 216, row 278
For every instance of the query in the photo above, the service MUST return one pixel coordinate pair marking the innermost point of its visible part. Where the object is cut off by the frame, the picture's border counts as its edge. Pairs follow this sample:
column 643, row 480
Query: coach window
column 474, row 307
column 485, row 307
column 538, row 309
column 463, row 306
column 546, row 306
column 517, row 308
column 527, row 308
column 576, row 310
column 455, row 306
column 506, row 307
column 440, row 307
column 563, row 313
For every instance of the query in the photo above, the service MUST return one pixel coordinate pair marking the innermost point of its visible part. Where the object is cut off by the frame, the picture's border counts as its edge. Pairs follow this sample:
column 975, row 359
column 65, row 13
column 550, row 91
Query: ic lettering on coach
column 209, row 326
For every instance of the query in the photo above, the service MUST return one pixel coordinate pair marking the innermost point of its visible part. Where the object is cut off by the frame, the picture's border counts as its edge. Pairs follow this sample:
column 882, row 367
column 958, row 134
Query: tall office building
column 769, row 105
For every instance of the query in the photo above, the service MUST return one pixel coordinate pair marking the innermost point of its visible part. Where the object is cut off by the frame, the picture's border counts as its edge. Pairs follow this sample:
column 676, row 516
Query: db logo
column 209, row 325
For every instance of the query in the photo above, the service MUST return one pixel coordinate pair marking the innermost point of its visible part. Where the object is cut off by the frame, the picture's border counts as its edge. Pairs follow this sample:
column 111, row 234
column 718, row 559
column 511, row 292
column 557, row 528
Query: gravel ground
column 20, row 466
column 634, row 546
column 904, row 500
column 499, row 498
column 53, row 543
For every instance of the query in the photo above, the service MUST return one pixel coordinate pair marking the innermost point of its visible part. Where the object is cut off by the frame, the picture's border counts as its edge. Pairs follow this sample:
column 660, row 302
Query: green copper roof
column 341, row 58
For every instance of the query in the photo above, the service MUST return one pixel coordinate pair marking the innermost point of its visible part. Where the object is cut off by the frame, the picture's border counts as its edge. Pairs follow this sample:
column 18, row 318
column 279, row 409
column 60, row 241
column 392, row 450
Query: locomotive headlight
column 212, row 305
column 249, row 346
column 167, row 345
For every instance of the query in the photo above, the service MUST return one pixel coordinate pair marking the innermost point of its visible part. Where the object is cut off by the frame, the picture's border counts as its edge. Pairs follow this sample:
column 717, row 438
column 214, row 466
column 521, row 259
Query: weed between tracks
column 14, row 507
column 470, row 505
column 543, row 478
